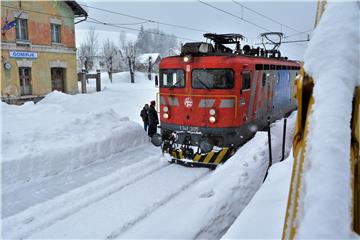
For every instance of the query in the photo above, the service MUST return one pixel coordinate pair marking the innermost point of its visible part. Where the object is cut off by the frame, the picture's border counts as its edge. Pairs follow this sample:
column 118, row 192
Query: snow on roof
column 144, row 58
column 173, row 52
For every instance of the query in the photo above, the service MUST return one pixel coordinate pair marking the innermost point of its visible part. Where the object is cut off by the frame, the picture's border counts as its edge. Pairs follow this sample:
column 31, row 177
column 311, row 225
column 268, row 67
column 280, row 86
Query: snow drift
column 59, row 140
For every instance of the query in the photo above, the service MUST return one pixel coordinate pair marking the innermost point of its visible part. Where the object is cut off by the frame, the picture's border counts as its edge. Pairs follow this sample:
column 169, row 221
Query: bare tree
column 122, row 46
column 130, row 54
column 122, row 39
column 88, row 50
column 109, row 51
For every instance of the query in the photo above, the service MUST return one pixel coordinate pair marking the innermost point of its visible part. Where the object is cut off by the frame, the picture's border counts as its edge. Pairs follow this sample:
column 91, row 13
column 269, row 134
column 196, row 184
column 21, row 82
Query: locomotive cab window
column 246, row 80
column 212, row 78
column 172, row 78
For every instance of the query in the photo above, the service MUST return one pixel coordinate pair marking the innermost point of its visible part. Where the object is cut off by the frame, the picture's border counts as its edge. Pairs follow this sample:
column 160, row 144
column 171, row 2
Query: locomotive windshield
column 212, row 78
column 172, row 78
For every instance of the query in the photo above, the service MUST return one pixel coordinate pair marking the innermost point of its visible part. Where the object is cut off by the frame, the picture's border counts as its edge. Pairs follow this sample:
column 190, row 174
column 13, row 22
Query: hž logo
column 188, row 102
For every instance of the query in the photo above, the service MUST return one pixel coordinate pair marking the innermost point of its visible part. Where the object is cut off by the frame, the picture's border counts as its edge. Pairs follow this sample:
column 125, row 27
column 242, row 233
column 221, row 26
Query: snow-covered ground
column 264, row 216
column 85, row 168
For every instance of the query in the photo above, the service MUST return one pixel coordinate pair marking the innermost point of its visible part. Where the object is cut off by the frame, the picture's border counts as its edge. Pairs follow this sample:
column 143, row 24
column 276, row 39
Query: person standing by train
column 145, row 117
column 153, row 119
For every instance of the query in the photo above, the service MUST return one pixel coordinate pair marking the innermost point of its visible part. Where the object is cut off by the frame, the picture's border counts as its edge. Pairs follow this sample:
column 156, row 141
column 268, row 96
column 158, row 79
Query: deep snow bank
column 332, row 59
column 44, row 139
column 266, row 211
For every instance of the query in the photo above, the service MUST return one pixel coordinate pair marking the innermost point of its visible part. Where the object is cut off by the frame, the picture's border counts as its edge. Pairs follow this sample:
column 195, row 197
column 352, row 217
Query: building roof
column 77, row 9
column 144, row 58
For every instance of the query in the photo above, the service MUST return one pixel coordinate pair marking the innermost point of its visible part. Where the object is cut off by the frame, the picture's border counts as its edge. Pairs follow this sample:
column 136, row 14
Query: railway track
column 150, row 198
column 45, row 214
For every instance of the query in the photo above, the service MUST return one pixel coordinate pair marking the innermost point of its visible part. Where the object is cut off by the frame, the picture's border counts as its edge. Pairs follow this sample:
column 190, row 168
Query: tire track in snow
column 45, row 214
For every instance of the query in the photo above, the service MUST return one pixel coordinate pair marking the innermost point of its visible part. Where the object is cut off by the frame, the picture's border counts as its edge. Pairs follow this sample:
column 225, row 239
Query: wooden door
column 58, row 79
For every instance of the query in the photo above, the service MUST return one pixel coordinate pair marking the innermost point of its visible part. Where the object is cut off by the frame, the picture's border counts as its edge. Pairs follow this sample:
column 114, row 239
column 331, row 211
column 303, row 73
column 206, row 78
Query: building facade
column 38, row 51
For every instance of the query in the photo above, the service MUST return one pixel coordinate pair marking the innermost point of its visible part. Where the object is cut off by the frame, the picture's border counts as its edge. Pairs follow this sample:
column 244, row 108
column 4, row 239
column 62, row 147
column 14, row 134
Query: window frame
column 242, row 80
column 22, row 90
column 232, row 71
column 171, row 69
column 21, row 23
column 52, row 32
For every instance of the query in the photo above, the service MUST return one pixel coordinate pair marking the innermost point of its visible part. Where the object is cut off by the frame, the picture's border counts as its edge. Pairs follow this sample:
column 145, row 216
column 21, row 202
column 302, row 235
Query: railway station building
column 38, row 50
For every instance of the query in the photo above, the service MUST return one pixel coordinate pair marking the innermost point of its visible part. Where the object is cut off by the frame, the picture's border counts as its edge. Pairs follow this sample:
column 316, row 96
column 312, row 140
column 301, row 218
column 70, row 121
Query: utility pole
column 150, row 68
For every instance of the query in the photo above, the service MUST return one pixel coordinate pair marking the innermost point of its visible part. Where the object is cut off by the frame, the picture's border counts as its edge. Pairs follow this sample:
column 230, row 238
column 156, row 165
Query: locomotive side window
column 212, row 78
column 246, row 80
column 172, row 78
column 263, row 79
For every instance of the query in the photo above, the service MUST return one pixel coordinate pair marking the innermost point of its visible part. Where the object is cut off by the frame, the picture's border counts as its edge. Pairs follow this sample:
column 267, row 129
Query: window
column 25, row 81
column 55, row 33
column 263, row 79
column 212, row 78
column 21, row 29
column 246, row 80
column 172, row 78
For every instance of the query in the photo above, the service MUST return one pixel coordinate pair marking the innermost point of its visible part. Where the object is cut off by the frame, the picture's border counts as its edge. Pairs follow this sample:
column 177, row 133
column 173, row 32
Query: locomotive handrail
column 201, row 95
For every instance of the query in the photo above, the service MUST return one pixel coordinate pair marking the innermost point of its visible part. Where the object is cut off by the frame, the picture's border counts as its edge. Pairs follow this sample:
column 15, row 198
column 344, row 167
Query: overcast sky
column 194, row 14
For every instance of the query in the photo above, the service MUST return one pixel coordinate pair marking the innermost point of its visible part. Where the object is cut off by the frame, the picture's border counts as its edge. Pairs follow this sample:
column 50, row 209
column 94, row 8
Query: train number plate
column 189, row 128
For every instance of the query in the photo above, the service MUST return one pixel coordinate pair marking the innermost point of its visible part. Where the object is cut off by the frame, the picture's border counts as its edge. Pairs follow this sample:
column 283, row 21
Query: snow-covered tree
column 88, row 50
column 130, row 55
column 155, row 41
column 109, row 51
column 122, row 39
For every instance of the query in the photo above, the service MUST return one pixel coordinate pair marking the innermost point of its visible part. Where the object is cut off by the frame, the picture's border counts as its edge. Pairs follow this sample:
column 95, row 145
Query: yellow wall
column 39, row 14
column 41, row 74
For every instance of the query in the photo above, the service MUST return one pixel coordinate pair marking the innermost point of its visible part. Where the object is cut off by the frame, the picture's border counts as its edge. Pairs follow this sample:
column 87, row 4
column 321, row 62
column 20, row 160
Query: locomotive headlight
column 166, row 115
column 212, row 119
column 165, row 109
column 187, row 59
column 212, row 112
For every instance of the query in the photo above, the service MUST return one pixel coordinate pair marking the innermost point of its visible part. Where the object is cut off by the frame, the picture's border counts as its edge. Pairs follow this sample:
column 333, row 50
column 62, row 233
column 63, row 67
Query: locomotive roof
column 260, row 59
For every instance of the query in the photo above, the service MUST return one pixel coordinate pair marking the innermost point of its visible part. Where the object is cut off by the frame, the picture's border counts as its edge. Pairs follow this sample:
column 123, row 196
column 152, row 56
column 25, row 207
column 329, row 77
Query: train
column 215, row 95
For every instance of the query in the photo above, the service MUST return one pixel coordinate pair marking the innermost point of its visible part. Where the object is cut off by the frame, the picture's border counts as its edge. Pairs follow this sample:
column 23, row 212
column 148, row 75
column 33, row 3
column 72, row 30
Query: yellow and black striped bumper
column 211, row 159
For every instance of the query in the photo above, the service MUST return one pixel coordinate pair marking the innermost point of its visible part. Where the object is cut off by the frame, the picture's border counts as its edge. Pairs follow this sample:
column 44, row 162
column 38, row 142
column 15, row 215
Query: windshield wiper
column 178, row 81
column 202, row 83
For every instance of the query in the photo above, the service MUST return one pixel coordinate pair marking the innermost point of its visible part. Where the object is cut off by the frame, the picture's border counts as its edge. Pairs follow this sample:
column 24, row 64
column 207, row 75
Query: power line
column 299, row 33
column 28, row 10
column 264, row 16
column 229, row 13
column 145, row 19
column 95, row 21
column 139, row 23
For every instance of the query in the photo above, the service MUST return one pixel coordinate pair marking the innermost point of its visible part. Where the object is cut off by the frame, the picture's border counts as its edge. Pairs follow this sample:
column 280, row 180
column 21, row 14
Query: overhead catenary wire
column 299, row 33
column 44, row 13
column 145, row 19
column 231, row 14
column 241, row 18
column 264, row 16
column 138, row 23
column 281, row 24
column 95, row 21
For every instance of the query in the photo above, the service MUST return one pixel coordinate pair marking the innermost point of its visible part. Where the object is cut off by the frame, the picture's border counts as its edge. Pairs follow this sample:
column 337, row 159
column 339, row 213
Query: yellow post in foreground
column 355, row 160
column 304, row 87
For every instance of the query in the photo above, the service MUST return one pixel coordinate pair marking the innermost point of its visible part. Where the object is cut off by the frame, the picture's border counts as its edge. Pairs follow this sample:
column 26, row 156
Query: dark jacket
column 144, row 115
column 153, row 117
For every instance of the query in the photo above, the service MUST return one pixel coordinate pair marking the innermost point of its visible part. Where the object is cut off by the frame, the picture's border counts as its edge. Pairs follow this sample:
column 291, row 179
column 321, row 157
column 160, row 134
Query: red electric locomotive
column 212, row 98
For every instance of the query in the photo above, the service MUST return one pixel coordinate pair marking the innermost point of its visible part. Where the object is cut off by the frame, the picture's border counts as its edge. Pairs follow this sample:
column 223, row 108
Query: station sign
column 22, row 54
